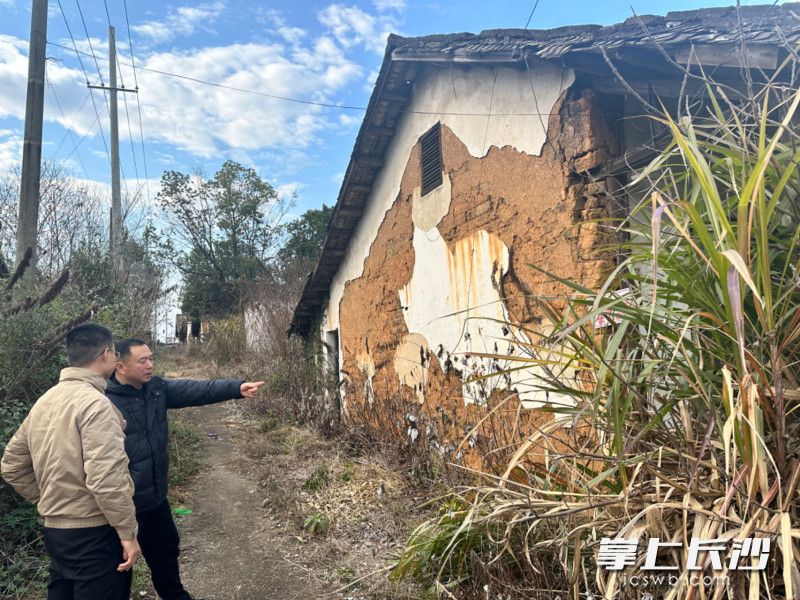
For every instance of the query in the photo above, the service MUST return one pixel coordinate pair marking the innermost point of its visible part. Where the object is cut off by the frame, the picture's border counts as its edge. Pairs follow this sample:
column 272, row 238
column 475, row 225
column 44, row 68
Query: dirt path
column 279, row 512
column 231, row 547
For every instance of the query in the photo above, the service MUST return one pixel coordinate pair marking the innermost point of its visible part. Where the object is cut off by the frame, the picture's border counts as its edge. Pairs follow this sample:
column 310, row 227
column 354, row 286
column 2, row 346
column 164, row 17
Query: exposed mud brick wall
column 540, row 207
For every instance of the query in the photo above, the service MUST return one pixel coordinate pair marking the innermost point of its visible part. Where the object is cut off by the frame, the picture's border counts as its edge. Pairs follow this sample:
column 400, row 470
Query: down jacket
column 68, row 457
column 145, row 411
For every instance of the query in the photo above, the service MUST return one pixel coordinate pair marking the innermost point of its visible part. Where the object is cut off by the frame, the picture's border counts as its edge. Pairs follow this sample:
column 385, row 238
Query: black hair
column 124, row 347
column 86, row 342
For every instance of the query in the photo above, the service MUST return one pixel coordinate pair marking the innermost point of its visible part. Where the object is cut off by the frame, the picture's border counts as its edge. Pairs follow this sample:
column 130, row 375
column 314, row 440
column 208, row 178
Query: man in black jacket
column 143, row 400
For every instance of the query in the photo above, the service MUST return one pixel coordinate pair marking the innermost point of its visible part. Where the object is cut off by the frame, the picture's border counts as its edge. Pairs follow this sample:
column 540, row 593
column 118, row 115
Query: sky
column 318, row 51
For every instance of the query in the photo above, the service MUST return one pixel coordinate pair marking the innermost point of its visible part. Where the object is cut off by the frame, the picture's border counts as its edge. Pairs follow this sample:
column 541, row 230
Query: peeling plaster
column 519, row 102
column 366, row 365
column 453, row 303
column 411, row 363
column 428, row 211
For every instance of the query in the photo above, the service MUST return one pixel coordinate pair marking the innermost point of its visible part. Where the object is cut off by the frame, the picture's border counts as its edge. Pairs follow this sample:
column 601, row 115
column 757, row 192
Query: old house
column 480, row 156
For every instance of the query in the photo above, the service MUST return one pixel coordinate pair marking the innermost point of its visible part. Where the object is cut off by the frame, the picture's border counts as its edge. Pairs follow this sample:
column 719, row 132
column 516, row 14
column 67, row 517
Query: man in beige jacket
column 68, row 457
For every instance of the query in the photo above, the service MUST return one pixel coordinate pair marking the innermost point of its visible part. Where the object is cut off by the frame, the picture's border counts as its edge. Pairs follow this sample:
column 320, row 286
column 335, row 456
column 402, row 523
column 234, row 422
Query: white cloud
column 372, row 79
column 133, row 189
column 386, row 5
column 13, row 76
column 66, row 84
column 164, row 158
column 208, row 121
column 96, row 45
column 181, row 21
column 10, row 149
column 270, row 16
column 293, row 35
column 351, row 26
column 200, row 119
column 349, row 120
column 288, row 191
column 203, row 120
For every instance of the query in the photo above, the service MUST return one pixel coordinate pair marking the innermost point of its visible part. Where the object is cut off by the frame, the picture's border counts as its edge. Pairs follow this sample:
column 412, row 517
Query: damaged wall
column 459, row 97
column 429, row 280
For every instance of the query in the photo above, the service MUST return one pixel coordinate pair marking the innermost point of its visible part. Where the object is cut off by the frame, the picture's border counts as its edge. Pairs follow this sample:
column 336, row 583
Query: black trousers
column 83, row 564
column 160, row 543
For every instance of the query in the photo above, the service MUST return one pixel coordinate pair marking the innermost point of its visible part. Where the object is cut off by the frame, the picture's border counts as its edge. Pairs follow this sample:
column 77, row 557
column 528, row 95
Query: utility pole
column 28, row 215
column 115, row 232
column 116, row 198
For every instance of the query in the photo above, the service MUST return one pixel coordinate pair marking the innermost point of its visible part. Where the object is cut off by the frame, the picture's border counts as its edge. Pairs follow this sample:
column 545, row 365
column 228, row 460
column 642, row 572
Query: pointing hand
column 249, row 389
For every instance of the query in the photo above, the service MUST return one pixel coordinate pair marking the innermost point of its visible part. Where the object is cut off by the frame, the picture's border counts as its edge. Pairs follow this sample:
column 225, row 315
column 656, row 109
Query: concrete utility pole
column 28, row 215
column 115, row 229
column 116, row 198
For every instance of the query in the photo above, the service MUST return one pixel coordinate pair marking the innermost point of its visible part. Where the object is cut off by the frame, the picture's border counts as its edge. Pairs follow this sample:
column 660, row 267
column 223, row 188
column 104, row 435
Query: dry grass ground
column 351, row 512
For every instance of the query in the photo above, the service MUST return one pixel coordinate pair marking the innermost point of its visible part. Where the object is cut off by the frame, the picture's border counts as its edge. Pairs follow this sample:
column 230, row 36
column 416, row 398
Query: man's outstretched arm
column 196, row 392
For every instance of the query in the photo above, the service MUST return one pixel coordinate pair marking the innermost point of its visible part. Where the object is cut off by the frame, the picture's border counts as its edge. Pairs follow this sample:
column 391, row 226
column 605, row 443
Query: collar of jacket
column 124, row 389
column 81, row 374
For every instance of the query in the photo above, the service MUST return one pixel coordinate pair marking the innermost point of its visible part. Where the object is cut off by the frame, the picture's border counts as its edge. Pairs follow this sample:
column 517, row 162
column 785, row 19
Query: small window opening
column 431, row 160
column 332, row 350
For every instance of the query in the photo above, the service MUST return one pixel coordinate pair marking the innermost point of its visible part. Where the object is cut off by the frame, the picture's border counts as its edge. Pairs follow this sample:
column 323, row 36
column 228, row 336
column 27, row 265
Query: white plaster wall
column 453, row 302
column 497, row 106
column 255, row 328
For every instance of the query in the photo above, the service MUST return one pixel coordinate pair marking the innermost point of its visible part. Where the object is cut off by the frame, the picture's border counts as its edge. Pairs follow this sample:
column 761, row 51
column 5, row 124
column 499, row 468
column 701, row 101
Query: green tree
column 225, row 230
column 305, row 235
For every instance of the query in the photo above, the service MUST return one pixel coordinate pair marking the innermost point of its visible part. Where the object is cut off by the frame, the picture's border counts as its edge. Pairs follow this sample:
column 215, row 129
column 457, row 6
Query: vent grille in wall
column 431, row 163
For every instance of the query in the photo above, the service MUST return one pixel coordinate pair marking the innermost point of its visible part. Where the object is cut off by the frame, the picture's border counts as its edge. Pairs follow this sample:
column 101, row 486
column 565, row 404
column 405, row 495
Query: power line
column 130, row 129
column 138, row 103
column 300, row 100
column 130, row 133
column 530, row 16
column 85, row 135
column 91, row 48
column 310, row 102
column 100, row 74
column 223, row 86
column 69, row 130
column 71, row 123
column 86, row 75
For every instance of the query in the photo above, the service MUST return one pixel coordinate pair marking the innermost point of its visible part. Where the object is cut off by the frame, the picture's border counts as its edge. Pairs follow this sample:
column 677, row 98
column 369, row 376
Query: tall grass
column 685, row 421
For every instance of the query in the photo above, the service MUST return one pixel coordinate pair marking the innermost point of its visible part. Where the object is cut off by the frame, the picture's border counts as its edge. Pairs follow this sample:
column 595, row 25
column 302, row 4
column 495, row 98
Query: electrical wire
column 130, row 133
column 303, row 101
column 530, row 16
column 127, row 117
column 86, row 75
column 138, row 103
column 69, row 125
column 69, row 129
column 100, row 74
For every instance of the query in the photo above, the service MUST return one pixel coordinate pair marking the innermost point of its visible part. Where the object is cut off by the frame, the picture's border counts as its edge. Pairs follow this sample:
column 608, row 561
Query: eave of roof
column 404, row 58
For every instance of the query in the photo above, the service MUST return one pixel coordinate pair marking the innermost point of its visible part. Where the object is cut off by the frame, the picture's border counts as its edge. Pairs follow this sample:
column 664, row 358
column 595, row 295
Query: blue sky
column 321, row 51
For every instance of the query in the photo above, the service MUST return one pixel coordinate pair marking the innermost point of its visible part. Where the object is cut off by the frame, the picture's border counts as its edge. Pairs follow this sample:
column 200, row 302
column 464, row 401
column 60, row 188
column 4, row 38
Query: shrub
column 226, row 341
column 299, row 387
column 35, row 315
